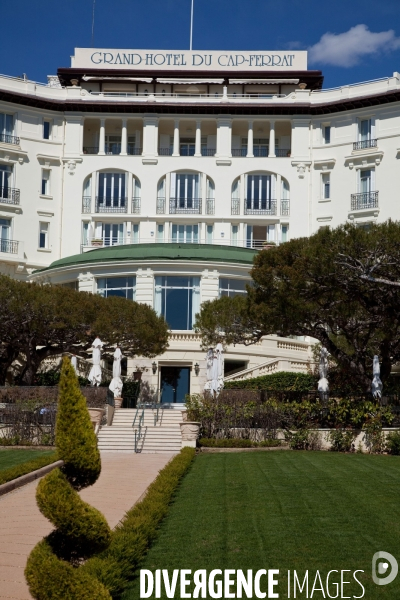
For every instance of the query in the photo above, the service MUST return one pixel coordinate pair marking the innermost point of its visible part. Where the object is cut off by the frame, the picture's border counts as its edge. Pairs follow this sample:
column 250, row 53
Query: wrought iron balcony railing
column 364, row 200
column 113, row 148
column 365, row 144
column 9, row 139
column 235, row 206
column 90, row 149
column 136, row 206
column 285, row 208
column 9, row 195
column 86, row 204
column 160, row 206
column 208, row 151
column 210, row 206
column 132, row 151
column 260, row 207
column 111, row 205
column 239, row 151
column 165, row 151
column 185, row 206
column 9, row 246
column 282, row 152
column 262, row 152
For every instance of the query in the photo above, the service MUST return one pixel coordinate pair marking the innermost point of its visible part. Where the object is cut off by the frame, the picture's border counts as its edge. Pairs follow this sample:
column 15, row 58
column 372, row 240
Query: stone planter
column 189, row 433
column 137, row 375
column 96, row 414
column 97, row 243
column 118, row 402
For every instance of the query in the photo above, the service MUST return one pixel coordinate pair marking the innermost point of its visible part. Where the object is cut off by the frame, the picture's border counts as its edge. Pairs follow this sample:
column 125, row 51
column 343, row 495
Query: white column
column 197, row 150
column 102, row 137
column 124, row 138
column 250, row 137
column 271, row 153
column 176, row 150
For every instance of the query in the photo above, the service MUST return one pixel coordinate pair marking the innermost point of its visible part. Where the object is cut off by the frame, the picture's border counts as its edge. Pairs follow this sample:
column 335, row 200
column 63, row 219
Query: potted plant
column 138, row 372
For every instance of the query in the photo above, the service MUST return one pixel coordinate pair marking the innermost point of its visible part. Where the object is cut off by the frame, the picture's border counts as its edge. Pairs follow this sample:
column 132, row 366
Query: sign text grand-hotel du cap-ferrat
column 188, row 61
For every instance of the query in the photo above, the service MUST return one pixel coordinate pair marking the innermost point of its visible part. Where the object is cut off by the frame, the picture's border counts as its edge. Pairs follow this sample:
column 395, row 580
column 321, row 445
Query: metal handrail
column 138, row 431
column 9, row 139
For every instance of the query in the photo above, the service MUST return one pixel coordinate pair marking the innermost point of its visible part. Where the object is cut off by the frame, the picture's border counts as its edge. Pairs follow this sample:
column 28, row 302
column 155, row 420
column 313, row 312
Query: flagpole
column 191, row 28
column 94, row 2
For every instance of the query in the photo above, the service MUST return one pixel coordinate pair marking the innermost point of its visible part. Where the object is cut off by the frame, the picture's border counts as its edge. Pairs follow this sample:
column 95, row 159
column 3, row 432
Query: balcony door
column 259, row 192
column 185, row 192
column 187, row 146
column 5, row 180
column 175, row 384
column 5, row 234
column 112, row 190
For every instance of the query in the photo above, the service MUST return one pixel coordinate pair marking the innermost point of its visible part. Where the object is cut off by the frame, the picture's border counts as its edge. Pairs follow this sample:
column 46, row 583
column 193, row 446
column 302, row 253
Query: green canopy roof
column 160, row 251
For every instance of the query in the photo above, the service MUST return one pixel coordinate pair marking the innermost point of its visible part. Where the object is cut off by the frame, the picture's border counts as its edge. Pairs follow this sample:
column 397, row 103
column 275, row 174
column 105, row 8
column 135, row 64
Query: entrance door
column 175, row 384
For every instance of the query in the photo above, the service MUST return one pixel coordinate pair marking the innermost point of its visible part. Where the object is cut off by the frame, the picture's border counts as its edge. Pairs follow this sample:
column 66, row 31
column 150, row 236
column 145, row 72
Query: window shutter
column 373, row 188
column 373, row 135
column 173, row 186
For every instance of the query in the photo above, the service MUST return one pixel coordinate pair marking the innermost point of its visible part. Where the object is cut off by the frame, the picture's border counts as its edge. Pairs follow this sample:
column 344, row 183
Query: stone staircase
column 164, row 436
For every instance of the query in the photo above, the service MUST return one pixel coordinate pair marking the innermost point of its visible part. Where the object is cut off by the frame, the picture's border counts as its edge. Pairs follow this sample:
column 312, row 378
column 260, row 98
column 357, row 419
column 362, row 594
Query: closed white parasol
column 95, row 371
column 116, row 384
column 215, row 370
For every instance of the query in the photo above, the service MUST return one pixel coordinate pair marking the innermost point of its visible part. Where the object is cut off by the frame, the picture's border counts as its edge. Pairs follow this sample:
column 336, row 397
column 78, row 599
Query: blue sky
column 349, row 40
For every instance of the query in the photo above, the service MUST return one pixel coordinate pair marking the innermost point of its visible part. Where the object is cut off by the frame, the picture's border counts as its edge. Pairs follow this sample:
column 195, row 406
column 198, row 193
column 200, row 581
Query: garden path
column 124, row 478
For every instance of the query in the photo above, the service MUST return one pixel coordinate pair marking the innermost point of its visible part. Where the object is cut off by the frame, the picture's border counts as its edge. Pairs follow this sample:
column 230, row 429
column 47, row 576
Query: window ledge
column 45, row 196
column 44, row 249
column 324, row 200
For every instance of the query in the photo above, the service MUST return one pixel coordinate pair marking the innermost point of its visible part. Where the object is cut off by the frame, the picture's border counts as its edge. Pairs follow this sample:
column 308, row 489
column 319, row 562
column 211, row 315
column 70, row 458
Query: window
column 43, row 235
column 160, row 232
column 131, row 144
column 185, row 192
column 234, row 235
column 85, row 233
column 178, row 300
column 112, row 144
column 6, row 128
column 326, row 186
column 185, row 234
column 46, row 130
column 366, row 181
column 125, row 287
column 45, row 182
column 5, row 181
column 365, row 130
column 5, row 230
column 111, row 190
column 209, row 234
column 327, row 134
column 284, row 233
column 232, row 287
column 135, row 233
column 259, row 192
column 112, row 234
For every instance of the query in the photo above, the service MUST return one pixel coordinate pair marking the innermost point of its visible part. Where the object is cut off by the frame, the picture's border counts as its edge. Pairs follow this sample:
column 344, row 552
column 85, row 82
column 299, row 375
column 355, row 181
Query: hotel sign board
column 184, row 60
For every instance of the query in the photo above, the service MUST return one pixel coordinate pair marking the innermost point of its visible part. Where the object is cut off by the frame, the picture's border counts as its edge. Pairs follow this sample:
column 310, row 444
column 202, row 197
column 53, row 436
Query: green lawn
column 284, row 510
column 11, row 458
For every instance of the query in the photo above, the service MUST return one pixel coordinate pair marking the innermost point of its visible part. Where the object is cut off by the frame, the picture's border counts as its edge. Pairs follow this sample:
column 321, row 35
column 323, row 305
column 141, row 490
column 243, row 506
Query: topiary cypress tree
column 53, row 568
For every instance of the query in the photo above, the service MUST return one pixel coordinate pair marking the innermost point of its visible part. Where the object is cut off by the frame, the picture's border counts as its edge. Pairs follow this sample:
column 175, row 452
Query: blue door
column 175, row 384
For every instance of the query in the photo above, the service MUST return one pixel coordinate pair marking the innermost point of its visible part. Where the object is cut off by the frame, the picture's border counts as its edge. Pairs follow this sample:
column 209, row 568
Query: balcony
column 185, row 206
column 364, row 201
column 114, row 148
column 160, row 206
column 136, row 206
column 86, row 204
column 285, row 208
column 365, row 144
column 165, row 151
column 210, row 206
column 208, row 151
column 9, row 139
column 90, row 150
column 9, row 195
column 239, row 151
column 260, row 207
column 132, row 151
column 111, row 205
column 235, row 206
column 9, row 246
column 262, row 152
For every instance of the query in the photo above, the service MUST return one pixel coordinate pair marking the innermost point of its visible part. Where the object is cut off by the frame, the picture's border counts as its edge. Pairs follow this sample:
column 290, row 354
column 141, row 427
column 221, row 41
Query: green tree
column 339, row 286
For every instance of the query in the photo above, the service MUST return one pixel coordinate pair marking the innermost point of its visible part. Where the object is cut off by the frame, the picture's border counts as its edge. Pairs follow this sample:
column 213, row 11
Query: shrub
column 116, row 566
column 341, row 440
column 53, row 570
column 284, row 381
column 303, row 439
column 374, row 436
column 27, row 467
column 393, row 442
column 237, row 443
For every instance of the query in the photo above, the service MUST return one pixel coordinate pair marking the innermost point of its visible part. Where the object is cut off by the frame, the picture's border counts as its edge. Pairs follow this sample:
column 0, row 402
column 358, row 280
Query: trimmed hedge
column 53, row 570
column 27, row 467
column 284, row 381
column 237, row 443
column 116, row 566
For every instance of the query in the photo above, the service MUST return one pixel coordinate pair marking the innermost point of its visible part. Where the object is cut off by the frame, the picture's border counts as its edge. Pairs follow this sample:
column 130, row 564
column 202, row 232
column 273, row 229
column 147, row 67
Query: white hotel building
column 158, row 175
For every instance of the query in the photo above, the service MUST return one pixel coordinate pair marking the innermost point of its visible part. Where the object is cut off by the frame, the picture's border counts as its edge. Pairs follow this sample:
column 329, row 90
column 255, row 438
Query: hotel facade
column 158, row 175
